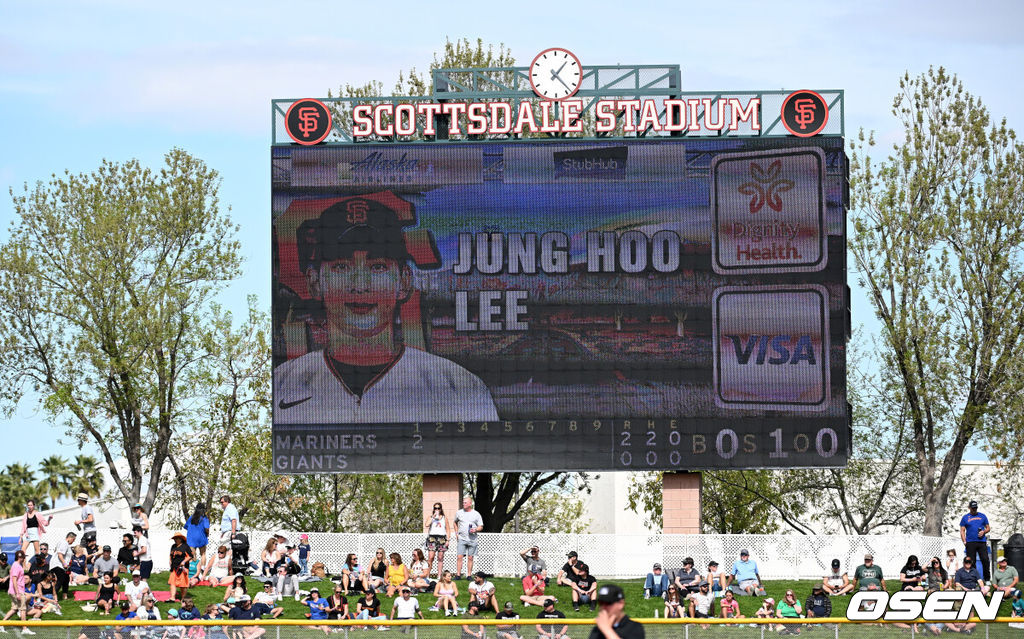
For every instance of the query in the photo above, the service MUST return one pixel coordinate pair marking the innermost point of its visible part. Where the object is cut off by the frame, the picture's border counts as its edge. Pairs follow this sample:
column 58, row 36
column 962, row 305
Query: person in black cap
column 550, row 630
column 570, row 571
column 611, row 621
column 837, row 582
column 974, row 528
column 818, row 603
column 507, row 631
column 355, row 260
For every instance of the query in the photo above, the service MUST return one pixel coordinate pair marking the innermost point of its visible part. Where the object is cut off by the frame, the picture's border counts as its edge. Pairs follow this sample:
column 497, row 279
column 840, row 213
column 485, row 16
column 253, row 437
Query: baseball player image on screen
column 359, row 269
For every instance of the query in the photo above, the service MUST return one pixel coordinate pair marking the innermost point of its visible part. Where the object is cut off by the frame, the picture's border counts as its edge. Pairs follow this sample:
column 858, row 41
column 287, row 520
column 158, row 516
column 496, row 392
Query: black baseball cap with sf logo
column 804, row 113
column 358, row 224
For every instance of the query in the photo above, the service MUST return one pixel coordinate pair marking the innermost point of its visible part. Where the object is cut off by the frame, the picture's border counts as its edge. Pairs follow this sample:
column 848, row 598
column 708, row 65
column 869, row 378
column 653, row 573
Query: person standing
column 33, row 525
column 86, row 519
column 438, row 530
column 179, row 558
column 228, row 520
column 611, row 621
column 197, row 532
column 140, row 518
column 974, row 529
column 142, row 553
column 468, row 524
column 16, row 589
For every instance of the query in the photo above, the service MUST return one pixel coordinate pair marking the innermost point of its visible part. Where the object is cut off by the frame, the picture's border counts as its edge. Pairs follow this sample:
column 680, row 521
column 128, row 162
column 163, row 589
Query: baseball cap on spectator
column 314, row 589
column 106, row 549
column 303, row 536
column 712, row 563
column 657, row 566
column 247, row 598
column 173, row 612
column 583, row 567
column 551, row 602
column 83, row 497
column 1001, row 559
column 136, row 573
column 508, row 605
column 973, row 504
column 868, row 556
column 817, row 587
column 835, row 563
column 769, row 600
column 480, row 574
column 572, row 553
column 610, row 593
column 744, row 553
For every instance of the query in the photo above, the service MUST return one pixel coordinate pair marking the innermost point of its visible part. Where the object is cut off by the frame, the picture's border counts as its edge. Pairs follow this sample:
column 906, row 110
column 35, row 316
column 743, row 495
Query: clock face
column 555, row 74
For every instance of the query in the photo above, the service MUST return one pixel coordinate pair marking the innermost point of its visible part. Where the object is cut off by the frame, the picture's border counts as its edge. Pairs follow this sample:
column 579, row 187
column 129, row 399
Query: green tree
column 235, row 382
column 85, row 476
column 17, row 485
column 938, row 230
column 54, row 478
column 105, row 286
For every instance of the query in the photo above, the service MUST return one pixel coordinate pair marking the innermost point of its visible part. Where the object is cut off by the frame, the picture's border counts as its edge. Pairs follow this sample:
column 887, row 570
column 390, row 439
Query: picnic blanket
column 90, row 595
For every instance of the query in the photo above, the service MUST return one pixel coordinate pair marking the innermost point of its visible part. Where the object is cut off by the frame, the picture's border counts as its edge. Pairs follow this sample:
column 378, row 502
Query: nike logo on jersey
column 283, row 404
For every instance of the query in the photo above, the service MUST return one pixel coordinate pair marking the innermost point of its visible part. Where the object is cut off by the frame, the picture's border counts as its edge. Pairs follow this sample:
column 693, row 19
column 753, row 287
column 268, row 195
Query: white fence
column 621, row 556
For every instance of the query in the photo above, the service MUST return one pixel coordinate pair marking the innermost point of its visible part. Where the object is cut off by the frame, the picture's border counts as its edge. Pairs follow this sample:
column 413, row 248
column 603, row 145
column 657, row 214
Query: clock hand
column 556, row 72
column 563, row 83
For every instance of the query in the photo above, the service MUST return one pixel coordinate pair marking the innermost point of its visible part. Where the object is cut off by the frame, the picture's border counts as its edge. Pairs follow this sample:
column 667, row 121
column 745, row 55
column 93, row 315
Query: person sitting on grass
column 552, row 629
column 212, row 613
column 702, row 603
column 745, row 578
column 473, row 631
column 912, row 574
column 136, row 590
column 264, row 602
column 447, row 593
column 406, row 606
column 353, row 577
column 868, row 575
column 688, row 578
column 397, row 574
column 767, row 611
column 533, row 588
column 368, row 607
column 935, row 575
column 508, row 631
column 337, row 605
column 148, row 611
column 125, row 614
column 78, row 568
column 673, row 603
column 968, row 578
column 106, row 593
column 818, row 603
column 317, row 609
column 217, row 570
column 244, row 611
column 375, row 575
column 188, row 610
column 1005, row 577
column 286, row 583
column 481, row 592
column 126, row 554
column 729, row 606
column 789, row 608
column 716, row 577
column 1017, row 604
column 419, row 572
column 656, row 583
column 584, row 589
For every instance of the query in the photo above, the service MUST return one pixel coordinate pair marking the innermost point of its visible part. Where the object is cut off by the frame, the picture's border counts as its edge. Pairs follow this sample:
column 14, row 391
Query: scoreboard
column 560, row 305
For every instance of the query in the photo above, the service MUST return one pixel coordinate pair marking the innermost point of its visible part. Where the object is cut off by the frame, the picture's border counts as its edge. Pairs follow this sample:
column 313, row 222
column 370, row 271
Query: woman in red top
column 181, row 554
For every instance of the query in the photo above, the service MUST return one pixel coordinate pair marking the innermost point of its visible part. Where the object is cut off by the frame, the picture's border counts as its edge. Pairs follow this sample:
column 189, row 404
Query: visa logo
column 781, row 348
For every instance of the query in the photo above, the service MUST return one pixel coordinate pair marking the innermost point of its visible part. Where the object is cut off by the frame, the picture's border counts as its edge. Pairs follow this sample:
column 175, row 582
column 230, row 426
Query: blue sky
column 80, row 82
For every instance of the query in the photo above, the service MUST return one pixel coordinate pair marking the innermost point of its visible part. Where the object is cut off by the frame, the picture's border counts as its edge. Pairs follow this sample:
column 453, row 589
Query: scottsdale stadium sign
column 485, row 118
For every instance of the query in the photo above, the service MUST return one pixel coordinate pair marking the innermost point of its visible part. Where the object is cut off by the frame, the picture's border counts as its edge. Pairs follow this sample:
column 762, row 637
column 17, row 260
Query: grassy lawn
column 508, row 589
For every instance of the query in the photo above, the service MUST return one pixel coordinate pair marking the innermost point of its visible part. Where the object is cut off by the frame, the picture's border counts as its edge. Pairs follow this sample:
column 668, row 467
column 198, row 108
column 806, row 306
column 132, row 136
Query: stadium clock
column 555, row 74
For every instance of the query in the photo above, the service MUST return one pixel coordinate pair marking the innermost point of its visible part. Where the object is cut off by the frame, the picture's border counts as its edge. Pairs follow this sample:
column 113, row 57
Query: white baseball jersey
column 418, row 387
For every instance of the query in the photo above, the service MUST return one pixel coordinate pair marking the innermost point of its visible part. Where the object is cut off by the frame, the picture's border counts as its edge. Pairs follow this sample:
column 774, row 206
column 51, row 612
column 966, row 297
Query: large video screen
column 560, row 305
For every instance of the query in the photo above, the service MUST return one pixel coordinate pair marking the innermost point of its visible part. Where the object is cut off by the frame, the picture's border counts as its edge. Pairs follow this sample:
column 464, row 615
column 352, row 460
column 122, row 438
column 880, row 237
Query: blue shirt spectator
column 967, row 577
column 744, row 569
column 973, row 525
column 317, row 605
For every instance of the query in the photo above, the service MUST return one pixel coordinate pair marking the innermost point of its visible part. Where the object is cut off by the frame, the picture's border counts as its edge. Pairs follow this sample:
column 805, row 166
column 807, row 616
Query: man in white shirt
column 482, row 592
column 136, row 590
column 142, row 553
column 406, row 606
column 357, row 265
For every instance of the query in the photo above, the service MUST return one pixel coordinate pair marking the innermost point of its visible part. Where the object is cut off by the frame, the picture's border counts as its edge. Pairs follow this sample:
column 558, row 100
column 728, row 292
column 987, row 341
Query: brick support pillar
column 680, row 494
column 445, row 488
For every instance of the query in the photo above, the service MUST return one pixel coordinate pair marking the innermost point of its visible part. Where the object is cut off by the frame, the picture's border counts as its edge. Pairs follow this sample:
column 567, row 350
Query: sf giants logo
column 356, row 211
column 309, row 116
column 308, row 121
column 804, row 113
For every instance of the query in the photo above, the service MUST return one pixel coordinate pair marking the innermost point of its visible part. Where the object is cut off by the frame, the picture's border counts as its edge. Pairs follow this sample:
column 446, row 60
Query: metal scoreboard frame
column 754, row 149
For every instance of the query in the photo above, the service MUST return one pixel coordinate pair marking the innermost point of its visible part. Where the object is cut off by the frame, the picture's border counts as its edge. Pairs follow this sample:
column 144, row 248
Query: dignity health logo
column 910, row 605
column 765, row 186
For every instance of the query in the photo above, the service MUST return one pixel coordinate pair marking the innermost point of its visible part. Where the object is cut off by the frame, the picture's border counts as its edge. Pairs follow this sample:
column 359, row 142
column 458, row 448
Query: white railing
column 789, row 556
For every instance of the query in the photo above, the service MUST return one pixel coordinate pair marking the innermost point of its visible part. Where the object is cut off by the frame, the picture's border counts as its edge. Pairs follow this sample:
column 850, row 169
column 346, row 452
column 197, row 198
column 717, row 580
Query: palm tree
column 19, row 487
column 55, row 478
column 86, row 476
